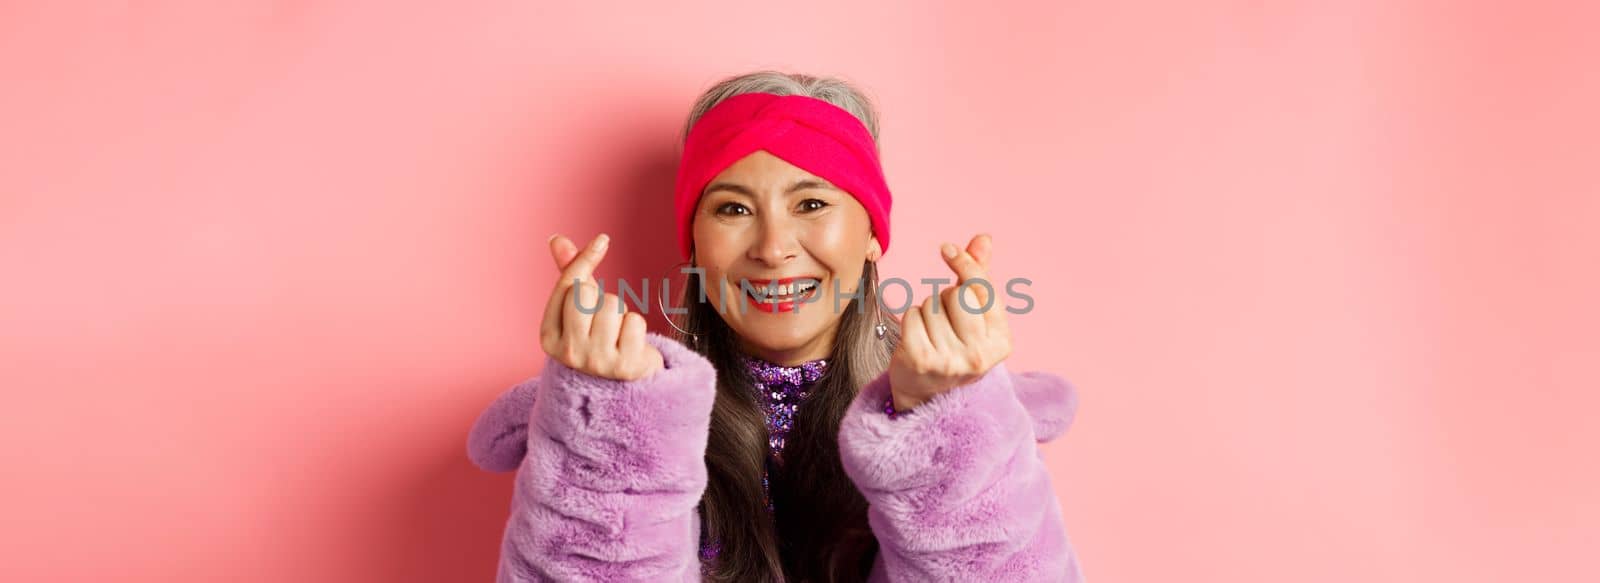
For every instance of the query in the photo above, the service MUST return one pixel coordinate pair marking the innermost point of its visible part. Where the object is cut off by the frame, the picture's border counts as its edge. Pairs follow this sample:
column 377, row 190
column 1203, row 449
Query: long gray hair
column 818, row 530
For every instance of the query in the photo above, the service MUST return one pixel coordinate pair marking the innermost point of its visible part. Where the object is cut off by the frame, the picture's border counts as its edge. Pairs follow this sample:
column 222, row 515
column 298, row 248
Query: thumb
column 981, row 248
column 562, row 250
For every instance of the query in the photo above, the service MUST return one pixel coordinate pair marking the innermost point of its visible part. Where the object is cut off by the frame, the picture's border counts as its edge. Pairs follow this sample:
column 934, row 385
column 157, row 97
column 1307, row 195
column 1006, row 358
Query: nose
column 776, row 243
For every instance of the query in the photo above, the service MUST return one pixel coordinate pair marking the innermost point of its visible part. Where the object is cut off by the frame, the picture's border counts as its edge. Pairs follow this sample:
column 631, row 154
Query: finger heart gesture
column 600, row 339
column 954, row 338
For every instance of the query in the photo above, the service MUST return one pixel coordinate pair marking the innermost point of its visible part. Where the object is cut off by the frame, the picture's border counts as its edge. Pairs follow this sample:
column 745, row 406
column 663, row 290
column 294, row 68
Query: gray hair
column 820, row 515
column 829, row 89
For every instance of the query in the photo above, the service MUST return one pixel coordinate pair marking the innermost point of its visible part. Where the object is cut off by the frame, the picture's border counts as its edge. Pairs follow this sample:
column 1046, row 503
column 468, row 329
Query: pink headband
column 815, row 135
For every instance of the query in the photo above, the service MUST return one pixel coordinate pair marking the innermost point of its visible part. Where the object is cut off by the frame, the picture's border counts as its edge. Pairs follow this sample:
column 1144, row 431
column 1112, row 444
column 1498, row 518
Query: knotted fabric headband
column 810, row 133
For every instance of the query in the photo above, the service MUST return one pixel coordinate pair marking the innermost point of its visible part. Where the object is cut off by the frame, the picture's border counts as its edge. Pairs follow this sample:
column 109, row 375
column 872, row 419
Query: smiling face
column 763, row 219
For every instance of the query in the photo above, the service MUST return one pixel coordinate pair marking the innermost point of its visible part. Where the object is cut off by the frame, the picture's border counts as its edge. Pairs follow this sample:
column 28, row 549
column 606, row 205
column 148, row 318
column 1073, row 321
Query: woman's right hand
column 609, row 343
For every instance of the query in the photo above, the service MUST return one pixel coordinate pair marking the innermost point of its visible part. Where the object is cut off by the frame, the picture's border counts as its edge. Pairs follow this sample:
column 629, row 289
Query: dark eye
column 731, row 208
column 813, row 204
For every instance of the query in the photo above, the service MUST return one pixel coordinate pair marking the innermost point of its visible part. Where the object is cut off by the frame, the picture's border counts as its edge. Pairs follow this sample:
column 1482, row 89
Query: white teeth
column 783, row 292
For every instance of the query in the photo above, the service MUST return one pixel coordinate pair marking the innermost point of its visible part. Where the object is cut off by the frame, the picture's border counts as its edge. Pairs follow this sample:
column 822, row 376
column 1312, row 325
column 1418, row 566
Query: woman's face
column 764, row 219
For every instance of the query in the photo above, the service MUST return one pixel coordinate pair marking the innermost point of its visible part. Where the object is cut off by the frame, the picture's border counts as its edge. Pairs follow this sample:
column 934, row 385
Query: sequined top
column 780, row 390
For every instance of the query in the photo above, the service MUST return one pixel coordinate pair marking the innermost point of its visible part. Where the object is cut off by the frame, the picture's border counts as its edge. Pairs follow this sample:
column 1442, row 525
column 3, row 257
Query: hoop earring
column 661, row 300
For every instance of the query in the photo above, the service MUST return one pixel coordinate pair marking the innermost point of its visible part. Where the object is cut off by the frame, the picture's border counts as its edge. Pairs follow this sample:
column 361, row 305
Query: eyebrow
column 802, row 184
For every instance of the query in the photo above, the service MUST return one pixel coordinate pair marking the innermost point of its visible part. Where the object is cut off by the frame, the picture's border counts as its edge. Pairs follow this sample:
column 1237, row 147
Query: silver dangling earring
column 661, row 299
column 881, row 328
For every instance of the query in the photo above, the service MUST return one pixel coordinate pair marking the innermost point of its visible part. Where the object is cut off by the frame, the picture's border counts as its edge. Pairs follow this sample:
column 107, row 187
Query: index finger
column 579, row 267
column 582, row 266
column 962, row 263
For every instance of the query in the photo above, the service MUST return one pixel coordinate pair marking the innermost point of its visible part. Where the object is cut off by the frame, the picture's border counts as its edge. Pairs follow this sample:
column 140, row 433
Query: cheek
column 715, row 250
column 845, row 231
column 849, row 280
column 708, row 236
column 839, row 246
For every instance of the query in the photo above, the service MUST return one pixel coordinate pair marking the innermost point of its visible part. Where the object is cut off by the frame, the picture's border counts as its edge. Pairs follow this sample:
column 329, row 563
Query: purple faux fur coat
column 610, row 474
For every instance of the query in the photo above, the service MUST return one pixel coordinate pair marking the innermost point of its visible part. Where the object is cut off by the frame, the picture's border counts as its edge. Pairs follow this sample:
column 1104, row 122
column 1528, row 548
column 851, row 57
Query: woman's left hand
column 954, row 338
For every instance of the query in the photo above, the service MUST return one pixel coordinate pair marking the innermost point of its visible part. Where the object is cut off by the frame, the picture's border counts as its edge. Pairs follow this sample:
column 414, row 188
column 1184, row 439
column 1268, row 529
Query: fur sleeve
column 499, row 438
column 614, row 472
column 956, row 488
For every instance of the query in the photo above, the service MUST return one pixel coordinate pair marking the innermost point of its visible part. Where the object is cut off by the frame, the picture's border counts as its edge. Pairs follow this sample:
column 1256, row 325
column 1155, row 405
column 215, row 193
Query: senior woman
column 792, row 429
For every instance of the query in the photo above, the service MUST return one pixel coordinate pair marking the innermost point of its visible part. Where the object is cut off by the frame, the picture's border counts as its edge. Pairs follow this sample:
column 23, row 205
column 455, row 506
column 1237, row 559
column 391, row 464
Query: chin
column 779, row 337
column 773, row 339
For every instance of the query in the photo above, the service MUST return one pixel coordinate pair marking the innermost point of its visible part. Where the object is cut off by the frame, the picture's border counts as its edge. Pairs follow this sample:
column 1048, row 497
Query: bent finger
column 913, row 335
column 940, row 334
column 577, row 316
column 964, row 315
column 606, row 325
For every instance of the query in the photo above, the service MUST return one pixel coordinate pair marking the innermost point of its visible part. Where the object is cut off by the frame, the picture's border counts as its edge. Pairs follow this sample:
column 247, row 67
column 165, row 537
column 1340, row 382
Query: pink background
column 1323, row 271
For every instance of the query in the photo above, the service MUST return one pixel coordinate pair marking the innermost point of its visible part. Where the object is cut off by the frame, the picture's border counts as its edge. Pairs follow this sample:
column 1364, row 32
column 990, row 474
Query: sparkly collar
column 768, row 373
